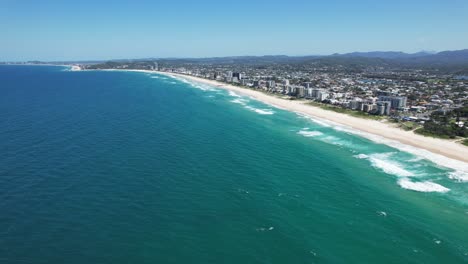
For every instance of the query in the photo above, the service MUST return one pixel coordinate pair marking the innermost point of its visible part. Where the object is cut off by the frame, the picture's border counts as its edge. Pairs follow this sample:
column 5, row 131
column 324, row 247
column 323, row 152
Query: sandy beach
column 446, row 148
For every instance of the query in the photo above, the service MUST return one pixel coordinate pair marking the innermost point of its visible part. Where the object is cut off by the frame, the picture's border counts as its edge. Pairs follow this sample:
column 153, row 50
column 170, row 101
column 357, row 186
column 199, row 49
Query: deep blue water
column 125, row 167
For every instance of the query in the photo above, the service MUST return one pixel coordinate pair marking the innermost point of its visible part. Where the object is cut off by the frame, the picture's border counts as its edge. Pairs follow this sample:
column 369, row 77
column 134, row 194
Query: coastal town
column 426, row 102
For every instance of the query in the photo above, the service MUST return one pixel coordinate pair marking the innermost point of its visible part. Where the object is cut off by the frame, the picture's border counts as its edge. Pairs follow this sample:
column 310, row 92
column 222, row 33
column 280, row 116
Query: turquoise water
column 125, row 167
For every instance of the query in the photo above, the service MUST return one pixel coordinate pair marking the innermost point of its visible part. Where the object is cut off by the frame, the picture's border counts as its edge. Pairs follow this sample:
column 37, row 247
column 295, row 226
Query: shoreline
column 443, row 152
column 442, row 147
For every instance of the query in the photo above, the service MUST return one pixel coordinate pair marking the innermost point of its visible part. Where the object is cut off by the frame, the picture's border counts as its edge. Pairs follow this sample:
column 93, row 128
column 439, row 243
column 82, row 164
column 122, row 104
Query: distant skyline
column 100, row 30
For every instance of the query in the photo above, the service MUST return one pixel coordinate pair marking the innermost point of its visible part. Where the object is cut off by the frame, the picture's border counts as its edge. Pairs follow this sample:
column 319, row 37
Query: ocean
column 130, row 167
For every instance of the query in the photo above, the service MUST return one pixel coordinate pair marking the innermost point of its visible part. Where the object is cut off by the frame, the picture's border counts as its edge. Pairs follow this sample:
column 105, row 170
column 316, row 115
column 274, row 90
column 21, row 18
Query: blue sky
column 82, row 30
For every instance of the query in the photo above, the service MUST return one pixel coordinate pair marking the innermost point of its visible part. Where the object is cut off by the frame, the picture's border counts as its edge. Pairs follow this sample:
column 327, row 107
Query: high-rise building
column 270, row 84
column 309, row 92
column 368, row 107
column 322, row 95
column 238, row 75
column 354, row 104
column 383, row 107
column 397, row 102
column 300, row 91
column 316, row 93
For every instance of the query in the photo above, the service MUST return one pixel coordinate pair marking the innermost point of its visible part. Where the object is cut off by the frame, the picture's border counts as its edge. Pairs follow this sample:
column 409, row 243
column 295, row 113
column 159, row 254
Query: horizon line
column 429, row 52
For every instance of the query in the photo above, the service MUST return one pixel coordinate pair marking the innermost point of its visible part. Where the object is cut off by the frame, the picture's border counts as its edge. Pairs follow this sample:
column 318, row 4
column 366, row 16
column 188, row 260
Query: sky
column 99, row 30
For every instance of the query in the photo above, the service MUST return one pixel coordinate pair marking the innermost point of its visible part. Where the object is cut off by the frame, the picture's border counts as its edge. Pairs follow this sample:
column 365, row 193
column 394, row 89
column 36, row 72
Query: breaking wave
column 322, row 123
column 361, row 156
column 425, row 186
column 240, row 101
column 231, row 93
column 459, row 176
column 260, row 111
column 383, row 162
column 460, row 169
column 306, row 133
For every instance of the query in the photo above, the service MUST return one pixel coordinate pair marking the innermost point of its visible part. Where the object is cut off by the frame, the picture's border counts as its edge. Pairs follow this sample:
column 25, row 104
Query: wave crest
column 260, row 111
column 306, row 133
column 383, row 162
column 425, row 186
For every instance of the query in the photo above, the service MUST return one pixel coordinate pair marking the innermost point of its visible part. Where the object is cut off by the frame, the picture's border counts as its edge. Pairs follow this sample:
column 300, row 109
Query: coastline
column 443, row 152
column 446, row 148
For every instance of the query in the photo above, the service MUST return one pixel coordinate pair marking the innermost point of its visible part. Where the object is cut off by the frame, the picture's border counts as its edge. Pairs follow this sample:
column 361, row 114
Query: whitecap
column 231, row 93
column 459, row 176
column 383, row 162
column 201, row 86
column 315, row 120
column 338, row 142
column 310, row 133
column 460, row 168
column 361, row 156
column 239, row 101
column 260, row 111
column 425, row 186
column 382, row 213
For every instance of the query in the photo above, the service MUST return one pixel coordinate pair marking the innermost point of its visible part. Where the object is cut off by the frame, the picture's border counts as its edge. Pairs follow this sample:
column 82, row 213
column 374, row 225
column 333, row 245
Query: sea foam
column 361, row 156
column 425, row 186
column 307, row 133
column 314, row 120
column 459, row 176
column 231, row 93
column 260, row 111
column 383, row 162
column 460, row 168
column 240, row 101
column 194, row 84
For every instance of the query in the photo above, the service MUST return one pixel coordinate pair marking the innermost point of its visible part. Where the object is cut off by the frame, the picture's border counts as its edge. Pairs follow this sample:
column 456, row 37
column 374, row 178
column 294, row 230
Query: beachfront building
column 322, row 95
column 290, row 90
column 397, row 102
column 300, row 91
column 270, row 84
column 317, row 94
column 383, row 107
column 237, row 75
column 355, row 104
column 368, row 107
